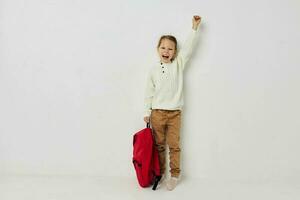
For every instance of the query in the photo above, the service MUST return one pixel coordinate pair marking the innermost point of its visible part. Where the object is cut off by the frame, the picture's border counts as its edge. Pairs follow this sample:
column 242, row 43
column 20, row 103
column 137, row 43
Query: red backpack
column 145, row 158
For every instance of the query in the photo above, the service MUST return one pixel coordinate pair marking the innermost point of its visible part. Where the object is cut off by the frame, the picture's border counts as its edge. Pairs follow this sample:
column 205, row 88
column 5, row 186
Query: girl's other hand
column 147, row 119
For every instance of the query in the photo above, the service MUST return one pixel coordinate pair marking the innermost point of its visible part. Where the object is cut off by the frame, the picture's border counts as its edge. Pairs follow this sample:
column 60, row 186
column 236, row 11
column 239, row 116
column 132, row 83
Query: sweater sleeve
column 149, row 93
column 187, row 48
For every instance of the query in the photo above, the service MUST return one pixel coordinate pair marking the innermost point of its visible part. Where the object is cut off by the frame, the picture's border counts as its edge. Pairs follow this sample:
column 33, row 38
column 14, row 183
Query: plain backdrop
column 73, row 75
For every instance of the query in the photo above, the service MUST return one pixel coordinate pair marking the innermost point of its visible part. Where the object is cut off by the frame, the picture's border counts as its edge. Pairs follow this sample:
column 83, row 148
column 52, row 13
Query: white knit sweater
column 164, row 88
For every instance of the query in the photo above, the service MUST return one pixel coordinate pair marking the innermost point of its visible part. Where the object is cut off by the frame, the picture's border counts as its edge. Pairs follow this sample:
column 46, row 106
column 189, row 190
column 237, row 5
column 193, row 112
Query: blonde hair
column 168, row 37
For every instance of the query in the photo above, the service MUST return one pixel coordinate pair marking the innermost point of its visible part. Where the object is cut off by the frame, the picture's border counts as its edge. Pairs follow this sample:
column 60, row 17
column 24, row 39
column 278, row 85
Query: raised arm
column 187, row 48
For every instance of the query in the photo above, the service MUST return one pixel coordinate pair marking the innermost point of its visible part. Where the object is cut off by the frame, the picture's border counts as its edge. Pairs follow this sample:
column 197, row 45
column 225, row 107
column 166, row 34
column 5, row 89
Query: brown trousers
column 166, row 130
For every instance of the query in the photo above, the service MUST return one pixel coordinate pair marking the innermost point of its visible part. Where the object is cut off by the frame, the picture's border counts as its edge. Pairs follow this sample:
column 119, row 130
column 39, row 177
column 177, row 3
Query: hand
column 147, row 119
column 196, row 21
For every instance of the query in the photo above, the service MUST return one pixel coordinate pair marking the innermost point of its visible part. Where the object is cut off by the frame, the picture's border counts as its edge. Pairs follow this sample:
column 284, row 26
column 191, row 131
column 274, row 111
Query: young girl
column 164, row 98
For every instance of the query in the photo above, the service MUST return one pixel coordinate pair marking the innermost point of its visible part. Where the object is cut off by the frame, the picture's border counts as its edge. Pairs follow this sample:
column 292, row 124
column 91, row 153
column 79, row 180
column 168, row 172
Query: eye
column 170, row 49
column 162, row 47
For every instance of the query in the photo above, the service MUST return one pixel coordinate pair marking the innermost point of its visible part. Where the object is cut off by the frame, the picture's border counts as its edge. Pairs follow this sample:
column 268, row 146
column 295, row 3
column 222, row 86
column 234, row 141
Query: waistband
column 163, row 110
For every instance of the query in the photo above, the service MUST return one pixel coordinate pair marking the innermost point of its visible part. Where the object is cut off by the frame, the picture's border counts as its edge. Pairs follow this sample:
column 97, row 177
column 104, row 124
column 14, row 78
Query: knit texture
column 164, row 87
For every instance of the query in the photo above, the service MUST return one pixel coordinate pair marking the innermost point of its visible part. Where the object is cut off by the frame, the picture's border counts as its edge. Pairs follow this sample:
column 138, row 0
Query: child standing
column 164, row 98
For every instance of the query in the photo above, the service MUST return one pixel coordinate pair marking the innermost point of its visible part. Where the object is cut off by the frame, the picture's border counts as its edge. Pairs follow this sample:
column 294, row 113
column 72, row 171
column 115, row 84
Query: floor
column 102, row 188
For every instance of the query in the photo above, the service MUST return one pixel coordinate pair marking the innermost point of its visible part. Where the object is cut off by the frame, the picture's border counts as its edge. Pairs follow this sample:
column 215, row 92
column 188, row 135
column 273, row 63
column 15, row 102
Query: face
column 166, row 50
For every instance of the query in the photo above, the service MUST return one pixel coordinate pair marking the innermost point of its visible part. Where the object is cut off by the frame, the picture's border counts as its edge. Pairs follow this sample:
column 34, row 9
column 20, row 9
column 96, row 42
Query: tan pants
column 166, row 130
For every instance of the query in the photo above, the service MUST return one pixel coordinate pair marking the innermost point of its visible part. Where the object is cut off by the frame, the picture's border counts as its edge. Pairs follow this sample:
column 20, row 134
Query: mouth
column 165, row 57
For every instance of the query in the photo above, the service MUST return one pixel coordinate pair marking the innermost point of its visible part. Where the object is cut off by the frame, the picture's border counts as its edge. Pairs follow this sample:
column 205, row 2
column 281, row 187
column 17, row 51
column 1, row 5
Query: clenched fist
column 196, row 21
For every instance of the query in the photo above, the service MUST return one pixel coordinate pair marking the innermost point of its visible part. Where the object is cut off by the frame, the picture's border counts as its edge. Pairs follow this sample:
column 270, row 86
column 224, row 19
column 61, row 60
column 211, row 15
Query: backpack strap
column 157, row 179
